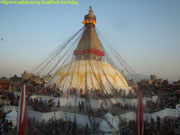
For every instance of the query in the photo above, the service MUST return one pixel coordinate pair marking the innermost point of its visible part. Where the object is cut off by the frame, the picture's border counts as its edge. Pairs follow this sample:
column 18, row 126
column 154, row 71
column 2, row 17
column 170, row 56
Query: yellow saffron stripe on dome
column 81, row 76
column 63, row 75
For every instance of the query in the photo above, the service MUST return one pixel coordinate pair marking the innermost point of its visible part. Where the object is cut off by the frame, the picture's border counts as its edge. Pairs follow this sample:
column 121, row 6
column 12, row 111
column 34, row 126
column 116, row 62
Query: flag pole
column 139, row 115
column 22, row 112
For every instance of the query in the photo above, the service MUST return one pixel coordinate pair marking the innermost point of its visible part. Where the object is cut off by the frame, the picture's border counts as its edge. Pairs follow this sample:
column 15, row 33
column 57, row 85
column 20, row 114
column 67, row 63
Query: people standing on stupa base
column 83, row 106
column 79, row 106
column 42, row 105
column 59, row 92
column 162, row 126
column 10, row 98
column 59, row 103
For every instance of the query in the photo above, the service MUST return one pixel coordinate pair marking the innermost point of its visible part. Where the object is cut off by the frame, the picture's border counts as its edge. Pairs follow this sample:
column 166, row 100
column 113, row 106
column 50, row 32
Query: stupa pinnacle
column 89, row 46
column 90, row 15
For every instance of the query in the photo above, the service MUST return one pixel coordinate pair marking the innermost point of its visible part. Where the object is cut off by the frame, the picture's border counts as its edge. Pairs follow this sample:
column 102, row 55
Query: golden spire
column 89, row 46
column 90, row 10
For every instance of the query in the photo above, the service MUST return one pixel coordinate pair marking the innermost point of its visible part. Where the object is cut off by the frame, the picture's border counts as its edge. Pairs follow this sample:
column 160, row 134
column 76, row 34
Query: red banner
column 22, row 112
column 94, row 51
column 139, row 116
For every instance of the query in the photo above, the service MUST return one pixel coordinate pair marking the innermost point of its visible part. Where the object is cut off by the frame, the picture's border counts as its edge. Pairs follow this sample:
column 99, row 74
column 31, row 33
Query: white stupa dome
column 97, row 74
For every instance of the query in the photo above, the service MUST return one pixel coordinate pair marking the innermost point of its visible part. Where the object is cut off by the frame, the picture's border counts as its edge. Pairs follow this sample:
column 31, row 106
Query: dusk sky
column 146, row 33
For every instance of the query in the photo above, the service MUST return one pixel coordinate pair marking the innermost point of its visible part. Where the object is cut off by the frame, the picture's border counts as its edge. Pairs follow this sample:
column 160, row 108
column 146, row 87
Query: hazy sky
column 145, row 32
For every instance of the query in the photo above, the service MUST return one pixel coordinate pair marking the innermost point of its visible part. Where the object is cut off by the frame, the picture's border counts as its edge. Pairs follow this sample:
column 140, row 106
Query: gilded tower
column 89, row 46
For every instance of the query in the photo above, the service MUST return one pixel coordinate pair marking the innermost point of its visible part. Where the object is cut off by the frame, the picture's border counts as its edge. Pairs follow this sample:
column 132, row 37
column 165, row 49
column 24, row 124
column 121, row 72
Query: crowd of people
column 40, row 105
column 56, row 127
column 8, row 98
column 92, row 93
column 46, row 91
column 161, row 103
column 165, row 126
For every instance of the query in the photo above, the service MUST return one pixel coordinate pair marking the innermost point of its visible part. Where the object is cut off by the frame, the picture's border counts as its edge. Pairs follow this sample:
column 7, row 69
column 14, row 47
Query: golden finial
column 90, row 10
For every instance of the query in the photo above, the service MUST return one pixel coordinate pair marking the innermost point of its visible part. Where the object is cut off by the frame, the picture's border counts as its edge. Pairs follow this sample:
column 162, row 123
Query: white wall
column 147, row 116
column 80, row 119
column 95, row 103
